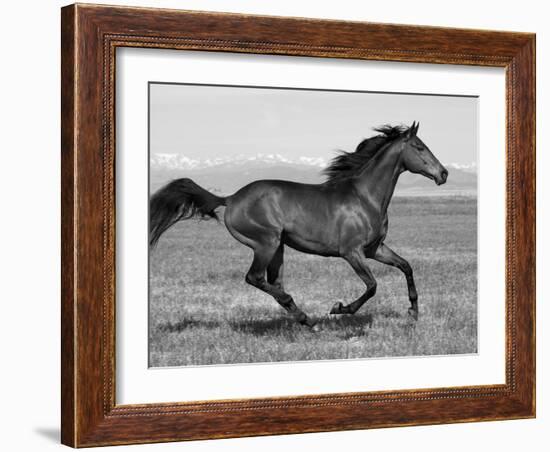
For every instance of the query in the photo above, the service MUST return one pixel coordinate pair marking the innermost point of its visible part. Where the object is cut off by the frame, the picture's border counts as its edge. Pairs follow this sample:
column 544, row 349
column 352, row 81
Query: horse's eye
column 420, row 148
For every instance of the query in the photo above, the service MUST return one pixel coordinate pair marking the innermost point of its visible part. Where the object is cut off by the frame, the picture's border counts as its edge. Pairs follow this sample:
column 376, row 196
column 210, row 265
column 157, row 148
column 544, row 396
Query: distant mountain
column 226, row 175
column 181, row 162
column 467, row 167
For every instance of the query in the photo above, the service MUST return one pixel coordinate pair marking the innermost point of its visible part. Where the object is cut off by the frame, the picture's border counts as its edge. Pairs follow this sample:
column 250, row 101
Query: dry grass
column 202, row 311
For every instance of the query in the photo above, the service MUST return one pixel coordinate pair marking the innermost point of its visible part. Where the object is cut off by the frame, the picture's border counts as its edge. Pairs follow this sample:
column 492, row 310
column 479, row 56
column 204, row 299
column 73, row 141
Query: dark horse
column 346, row 216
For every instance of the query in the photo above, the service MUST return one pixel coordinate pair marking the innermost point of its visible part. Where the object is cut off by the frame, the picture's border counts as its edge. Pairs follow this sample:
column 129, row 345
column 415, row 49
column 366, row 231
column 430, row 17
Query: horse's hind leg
column 358, row 262
column 387, row 256
column 275, row 268
column 271, row 259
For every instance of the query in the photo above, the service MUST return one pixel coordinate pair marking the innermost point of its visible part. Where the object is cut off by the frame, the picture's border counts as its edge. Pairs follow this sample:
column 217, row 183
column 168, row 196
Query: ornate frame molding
column 90, row 37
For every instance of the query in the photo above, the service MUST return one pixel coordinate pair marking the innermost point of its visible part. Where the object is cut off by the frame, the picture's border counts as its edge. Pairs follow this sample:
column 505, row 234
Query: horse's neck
column 377, row 181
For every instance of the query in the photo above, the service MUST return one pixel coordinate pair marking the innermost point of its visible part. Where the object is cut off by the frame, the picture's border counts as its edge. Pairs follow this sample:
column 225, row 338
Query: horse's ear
column 411, row 132
column 416, row 128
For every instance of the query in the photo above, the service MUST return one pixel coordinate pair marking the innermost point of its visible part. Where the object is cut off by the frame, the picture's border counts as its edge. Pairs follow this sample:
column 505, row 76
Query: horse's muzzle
column 442, row 177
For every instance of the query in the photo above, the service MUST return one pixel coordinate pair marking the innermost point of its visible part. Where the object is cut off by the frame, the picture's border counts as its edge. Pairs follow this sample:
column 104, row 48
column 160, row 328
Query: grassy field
column 202, row 312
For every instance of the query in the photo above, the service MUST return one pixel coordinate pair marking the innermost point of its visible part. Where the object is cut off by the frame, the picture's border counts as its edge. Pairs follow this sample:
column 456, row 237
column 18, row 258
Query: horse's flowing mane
column 348, row 164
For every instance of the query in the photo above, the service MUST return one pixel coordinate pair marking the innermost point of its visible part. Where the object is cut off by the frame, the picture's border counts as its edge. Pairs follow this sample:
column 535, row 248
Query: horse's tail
column 181, row 199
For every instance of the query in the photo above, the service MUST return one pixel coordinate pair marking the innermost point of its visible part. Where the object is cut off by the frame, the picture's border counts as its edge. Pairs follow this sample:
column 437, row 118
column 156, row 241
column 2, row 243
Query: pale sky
column 215, row 121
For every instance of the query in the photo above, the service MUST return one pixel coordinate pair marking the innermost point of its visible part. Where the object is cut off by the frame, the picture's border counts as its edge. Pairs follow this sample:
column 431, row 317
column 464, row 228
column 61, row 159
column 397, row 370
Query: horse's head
column 417, row 158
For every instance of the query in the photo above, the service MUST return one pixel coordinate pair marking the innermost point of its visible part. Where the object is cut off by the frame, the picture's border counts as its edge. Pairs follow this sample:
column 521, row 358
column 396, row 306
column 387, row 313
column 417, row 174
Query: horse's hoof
column 413, row 313
column 316, row 328
column 337, row 308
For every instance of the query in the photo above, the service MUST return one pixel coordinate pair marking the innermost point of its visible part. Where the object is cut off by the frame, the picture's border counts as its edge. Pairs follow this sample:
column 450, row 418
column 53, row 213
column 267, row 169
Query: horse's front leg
column 358, row 262
column 387, row 256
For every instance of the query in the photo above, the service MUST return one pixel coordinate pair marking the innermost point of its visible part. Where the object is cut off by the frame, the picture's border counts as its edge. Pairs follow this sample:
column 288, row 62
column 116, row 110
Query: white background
column 137, row 384
column 30, row 225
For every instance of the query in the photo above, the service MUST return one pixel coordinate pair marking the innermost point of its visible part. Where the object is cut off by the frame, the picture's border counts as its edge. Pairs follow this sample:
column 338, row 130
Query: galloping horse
column 346, row 216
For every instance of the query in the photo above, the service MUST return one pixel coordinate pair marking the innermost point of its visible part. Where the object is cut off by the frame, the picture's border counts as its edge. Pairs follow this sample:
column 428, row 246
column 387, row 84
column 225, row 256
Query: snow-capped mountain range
column 182, row 162
column 225, row 175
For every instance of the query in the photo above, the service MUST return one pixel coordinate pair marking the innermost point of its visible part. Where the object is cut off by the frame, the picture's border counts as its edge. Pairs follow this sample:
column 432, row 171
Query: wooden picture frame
column 90, row 35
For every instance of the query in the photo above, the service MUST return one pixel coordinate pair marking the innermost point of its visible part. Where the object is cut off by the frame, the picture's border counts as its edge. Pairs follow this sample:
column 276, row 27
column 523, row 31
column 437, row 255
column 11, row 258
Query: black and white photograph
column 304, row 224
column 275, row 226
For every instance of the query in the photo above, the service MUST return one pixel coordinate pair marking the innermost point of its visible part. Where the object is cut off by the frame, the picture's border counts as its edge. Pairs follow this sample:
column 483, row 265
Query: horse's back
column 277, row 191
column 277, row 194
column 263, row 198
column 260, row 187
